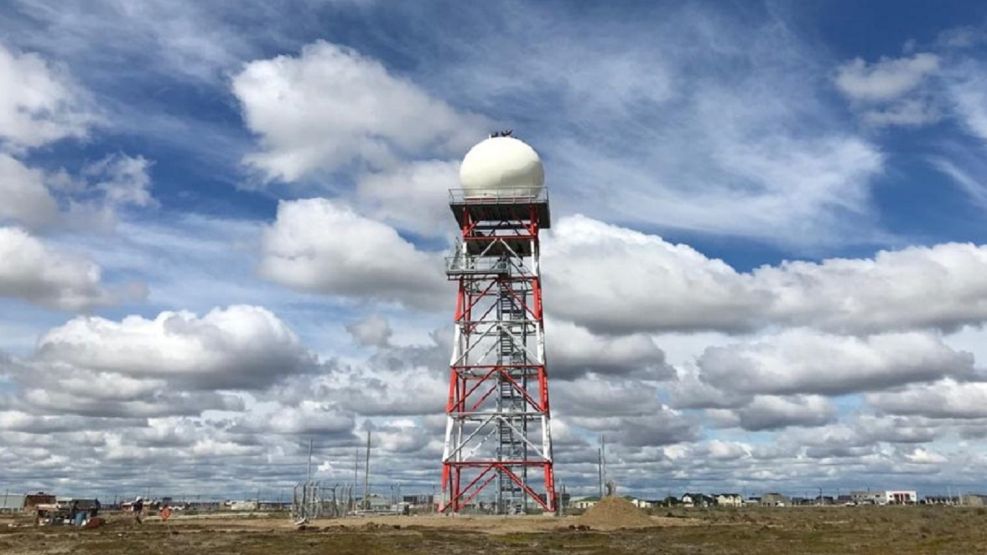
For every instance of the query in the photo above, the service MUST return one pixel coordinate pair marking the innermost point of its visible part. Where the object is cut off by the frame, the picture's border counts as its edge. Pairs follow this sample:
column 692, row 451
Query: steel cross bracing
column 498, row 431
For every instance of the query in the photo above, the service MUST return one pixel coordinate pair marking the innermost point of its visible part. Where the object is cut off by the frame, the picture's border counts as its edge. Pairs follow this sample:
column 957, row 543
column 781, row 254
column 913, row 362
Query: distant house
column 419, row 500
column 697, row 500
column 241, row 505
column 887, row 497
column 866, row 497
column 379, row 503
column 774, row 500
column 32, row 500
column 901, row 497
column 584, row 502
column 642, row 503
column 728, row 499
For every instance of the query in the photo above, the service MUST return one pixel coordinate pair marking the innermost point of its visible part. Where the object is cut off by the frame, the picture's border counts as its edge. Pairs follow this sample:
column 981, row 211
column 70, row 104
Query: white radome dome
column 501, row 166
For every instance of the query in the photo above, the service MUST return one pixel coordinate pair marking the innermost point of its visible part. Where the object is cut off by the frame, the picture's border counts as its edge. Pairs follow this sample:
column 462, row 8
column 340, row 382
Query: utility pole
column 366, row 476
column 562, row 502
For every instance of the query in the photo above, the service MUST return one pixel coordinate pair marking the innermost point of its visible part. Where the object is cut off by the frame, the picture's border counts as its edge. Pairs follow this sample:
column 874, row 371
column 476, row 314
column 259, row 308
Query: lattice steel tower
column 498, row 428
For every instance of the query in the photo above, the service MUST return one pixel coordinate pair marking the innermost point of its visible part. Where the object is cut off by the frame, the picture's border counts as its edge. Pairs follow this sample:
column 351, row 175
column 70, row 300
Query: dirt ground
column 900, row 530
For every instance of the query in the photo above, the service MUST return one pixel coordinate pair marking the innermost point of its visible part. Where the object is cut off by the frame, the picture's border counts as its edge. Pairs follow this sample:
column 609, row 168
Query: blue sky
column 775, row 211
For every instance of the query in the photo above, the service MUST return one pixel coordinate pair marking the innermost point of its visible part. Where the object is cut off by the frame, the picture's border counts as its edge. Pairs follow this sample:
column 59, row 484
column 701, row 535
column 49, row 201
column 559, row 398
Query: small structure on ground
column 775, row 500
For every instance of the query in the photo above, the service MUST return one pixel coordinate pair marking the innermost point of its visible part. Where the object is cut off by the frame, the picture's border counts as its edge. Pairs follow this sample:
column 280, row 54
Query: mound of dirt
column 615, row 512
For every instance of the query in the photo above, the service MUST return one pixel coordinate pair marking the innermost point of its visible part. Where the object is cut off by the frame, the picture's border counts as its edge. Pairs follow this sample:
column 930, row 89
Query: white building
column 697, row 500
column 886, row 497
column 584, row 502
column 240, row 505
column 729, row 499
column 901, row 497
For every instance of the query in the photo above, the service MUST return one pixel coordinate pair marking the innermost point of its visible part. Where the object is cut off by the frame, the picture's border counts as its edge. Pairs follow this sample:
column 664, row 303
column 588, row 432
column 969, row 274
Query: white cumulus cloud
column 322, row 246
column 239, row 347
column 374, row 330
column 37, row 199
column 39, row 274
column 768, row 412
column 609, row 278
column 122, row 180
column 412, row 197
column 806, row 361
column 944, row 399
column 885, row 79
column 330, row 106
column 26, row 199
column 892, row 91
column 574, row 351
column 39, row 103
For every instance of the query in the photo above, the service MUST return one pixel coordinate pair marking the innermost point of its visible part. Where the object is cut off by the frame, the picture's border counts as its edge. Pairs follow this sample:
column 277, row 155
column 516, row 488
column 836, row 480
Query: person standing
column 78, row 515
column 138, row 509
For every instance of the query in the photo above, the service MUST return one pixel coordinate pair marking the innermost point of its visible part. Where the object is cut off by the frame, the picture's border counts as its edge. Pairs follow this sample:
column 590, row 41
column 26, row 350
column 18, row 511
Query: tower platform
column 504, row 205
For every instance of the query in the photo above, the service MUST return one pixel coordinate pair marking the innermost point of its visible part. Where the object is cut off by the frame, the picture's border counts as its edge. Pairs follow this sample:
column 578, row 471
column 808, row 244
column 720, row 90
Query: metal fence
column 313, row 500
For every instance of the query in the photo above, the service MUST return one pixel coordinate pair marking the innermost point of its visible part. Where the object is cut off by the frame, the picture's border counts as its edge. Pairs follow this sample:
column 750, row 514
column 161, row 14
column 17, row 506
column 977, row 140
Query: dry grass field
column 897, row 530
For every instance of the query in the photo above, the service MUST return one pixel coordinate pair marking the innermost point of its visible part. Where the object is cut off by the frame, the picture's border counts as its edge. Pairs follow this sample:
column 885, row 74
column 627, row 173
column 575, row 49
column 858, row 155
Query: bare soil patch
column 612, row 513
column 832, row 530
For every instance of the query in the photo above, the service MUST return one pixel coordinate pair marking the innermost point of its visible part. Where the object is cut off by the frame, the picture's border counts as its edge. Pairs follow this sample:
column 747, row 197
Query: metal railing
column 505, row 195
column 465, row 264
